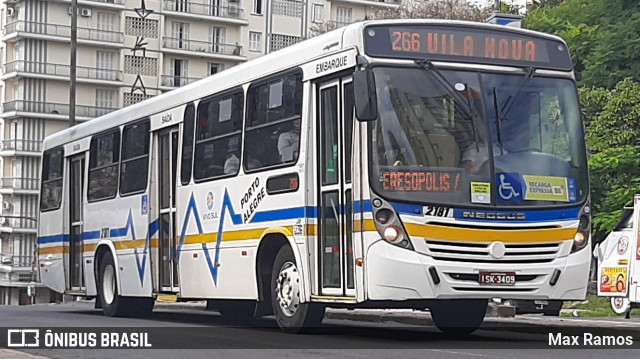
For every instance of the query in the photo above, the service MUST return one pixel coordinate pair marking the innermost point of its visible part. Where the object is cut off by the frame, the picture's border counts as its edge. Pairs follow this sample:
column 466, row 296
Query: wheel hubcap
column 288, row 289
column 109, row 284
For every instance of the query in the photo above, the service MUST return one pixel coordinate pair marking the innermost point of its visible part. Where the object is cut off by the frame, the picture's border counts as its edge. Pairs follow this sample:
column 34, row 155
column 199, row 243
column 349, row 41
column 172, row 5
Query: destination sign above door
column 466, row 44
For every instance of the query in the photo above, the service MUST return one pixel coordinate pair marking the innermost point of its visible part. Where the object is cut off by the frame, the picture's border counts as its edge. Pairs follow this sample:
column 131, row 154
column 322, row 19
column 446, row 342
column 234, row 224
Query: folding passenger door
column 74, row 269
column 166, row 156
column 335, row 209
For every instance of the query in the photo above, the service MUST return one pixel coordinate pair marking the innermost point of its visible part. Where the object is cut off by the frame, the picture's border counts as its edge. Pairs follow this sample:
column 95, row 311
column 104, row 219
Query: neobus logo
column 493, row 215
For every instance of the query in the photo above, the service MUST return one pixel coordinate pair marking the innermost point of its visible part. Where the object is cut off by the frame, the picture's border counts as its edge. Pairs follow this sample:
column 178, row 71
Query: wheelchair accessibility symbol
column 509, row 187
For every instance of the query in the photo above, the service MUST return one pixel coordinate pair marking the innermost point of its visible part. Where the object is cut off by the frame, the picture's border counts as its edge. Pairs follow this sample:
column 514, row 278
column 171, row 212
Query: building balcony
column 177, row 81
column 203, row 49
column 17, row 271
column 61, row 72
column 49, row 110
column 14, row 261
column 383, row 4
column 18, row 184
column 9, row 224
column 232, row 14
column 110, row 4
column 28, row 29
column 18, row 147
column 333, row 24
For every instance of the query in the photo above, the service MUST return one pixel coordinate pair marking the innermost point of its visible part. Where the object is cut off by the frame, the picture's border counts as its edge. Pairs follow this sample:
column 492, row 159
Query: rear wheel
column 458, row 317
column 620, row 305
column 112, row 303
column 292, row 315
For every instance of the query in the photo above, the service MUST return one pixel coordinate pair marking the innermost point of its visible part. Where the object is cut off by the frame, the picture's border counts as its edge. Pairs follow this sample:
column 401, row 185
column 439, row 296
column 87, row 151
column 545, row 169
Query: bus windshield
column 521, row 145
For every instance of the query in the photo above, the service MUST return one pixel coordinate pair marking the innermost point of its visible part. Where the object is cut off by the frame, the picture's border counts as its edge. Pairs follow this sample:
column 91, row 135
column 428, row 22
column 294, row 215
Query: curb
column 12, row 354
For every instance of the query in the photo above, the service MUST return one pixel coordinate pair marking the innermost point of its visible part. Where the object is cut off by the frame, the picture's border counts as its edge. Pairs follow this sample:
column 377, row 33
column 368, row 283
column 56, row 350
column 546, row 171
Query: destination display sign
column 420, row 181
column 466, row 44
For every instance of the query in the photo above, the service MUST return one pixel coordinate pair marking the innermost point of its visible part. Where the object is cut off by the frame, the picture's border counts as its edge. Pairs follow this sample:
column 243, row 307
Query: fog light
column 391, row 234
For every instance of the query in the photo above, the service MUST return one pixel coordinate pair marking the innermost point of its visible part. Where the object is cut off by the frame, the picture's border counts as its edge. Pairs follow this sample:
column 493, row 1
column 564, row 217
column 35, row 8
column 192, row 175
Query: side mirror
column 364, row 89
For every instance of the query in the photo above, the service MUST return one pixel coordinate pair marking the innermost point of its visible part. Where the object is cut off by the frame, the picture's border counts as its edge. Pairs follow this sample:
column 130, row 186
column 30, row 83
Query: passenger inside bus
column 289, row 142
column 232, row 164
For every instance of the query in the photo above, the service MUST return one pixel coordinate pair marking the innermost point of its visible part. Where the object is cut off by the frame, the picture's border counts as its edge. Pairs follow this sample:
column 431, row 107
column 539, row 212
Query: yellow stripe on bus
column 546, row 235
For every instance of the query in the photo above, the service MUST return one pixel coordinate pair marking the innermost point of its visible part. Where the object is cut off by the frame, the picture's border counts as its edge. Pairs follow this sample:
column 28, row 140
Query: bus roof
column 286, row 58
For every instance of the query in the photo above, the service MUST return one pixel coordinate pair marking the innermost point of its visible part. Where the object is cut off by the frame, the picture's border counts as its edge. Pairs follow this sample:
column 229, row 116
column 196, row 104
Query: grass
column 593, row 306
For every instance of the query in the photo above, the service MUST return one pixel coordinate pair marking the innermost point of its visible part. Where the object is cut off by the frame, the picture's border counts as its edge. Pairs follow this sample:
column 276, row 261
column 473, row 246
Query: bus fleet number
column 437, row 211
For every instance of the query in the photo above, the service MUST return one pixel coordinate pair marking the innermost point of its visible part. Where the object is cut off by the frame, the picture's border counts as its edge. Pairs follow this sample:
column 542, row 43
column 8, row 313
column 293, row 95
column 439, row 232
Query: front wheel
column 620, row 305
column 292, row 315
column 458, row 317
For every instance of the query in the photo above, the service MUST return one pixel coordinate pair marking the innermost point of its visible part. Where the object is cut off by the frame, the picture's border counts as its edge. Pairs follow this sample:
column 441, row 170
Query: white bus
column 386, row 164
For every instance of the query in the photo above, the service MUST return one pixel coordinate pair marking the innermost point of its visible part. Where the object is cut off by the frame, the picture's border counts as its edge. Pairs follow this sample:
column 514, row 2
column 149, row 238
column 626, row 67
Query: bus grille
column 479, row 252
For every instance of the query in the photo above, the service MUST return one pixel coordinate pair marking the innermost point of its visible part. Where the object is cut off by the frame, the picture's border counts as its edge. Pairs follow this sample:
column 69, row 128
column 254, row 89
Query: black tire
column 112, row 303
column 458, row 317
column 296, row 317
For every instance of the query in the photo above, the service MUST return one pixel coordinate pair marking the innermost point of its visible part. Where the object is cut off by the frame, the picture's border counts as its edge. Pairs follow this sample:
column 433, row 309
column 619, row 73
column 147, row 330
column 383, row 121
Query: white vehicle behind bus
column 618, row 261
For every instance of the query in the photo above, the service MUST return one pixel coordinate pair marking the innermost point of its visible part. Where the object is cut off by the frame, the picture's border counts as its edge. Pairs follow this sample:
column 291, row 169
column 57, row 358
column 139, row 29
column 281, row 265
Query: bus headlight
column 389, row 225
column 392, row 234
column 581, row 238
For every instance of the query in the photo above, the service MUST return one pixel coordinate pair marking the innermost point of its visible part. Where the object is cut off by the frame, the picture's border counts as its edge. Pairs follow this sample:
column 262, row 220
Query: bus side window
column 219, row 134
column 51, row 195
column 134, row 169
column 187, row 144
column 103, row 166
column 273, row 123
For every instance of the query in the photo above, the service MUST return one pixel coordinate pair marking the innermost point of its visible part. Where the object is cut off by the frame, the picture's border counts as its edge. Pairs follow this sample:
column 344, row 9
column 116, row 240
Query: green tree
column 603, row 37
column 613, row 139
column 447, row 10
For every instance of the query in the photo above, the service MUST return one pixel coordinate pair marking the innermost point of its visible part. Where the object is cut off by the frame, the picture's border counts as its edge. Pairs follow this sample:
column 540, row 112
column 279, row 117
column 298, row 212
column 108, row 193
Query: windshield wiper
column 496, row 109
column 470, row 110
column 512, row 99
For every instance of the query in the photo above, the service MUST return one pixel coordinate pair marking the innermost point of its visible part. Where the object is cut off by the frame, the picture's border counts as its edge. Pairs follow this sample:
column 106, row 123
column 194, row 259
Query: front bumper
column 393, row 273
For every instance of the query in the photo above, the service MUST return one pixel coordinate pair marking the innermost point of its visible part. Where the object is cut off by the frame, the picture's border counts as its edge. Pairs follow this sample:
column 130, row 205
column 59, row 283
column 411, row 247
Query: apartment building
column 128, row 51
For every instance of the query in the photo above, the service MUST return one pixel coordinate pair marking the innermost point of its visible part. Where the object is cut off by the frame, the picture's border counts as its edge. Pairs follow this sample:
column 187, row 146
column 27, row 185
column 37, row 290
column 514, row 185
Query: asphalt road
column 343, row 339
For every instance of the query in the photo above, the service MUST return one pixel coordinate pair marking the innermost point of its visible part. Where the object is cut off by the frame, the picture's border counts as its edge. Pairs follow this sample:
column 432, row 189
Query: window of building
column 187, row 144
column 257, row 7
column 180, row 35
column 218, row 136
column 343, row 16
column 179, row 71
column 272, row 136
column 51, row 193
column 318, row 13
column 255, row 40
column 103, row 166
column 217, row 37
column 181, row 5
column 215, row 68
column 107, row 26
column 105, row 101
column 105, row 64
column 134, row 167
